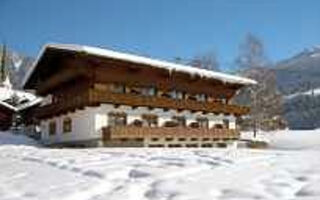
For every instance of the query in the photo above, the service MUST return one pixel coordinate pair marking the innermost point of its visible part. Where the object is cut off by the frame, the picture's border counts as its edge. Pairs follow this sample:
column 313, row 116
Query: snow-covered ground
column 285, row 172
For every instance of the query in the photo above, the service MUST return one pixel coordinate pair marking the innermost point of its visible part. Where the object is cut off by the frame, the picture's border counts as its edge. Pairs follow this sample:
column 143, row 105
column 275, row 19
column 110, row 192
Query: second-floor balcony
column 97, row 97
column 92, row 97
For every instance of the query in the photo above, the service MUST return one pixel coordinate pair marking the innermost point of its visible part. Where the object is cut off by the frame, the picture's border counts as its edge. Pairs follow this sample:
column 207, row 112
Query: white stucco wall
column 83, row 122
column 87, row 124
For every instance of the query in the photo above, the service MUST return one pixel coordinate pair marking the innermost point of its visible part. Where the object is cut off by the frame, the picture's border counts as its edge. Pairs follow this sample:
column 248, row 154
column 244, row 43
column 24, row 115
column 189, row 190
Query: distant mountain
column 17, row 64
column 299, row 73
column 298, row 79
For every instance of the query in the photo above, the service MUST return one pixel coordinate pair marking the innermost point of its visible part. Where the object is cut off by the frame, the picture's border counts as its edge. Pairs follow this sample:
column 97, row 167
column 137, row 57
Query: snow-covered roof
column 25, row 99
column 142, row 60
column 8, row 106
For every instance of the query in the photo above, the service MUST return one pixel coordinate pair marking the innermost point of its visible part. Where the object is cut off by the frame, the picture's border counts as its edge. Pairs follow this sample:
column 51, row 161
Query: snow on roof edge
column 141, row 60
column 29, row 104
column 33, row 66
column 8, row 106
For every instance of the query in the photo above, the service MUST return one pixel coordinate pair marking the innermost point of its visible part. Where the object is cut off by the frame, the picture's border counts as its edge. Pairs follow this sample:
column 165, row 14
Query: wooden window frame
column 118, row 88
column 67, row 125
column 52, row 128
column 226, row 123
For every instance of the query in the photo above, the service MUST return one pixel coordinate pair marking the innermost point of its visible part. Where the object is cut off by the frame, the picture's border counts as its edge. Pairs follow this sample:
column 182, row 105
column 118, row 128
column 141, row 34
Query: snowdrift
column 30, row 172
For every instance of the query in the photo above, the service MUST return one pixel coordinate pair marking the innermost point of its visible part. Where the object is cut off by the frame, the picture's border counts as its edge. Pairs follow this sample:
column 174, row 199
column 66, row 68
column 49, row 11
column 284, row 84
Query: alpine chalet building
column 99, row 97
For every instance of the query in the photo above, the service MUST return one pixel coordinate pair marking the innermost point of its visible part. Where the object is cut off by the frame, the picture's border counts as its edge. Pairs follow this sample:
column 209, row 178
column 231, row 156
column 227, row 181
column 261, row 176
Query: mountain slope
column 298, row 79
column 299, row 73
column 17, row 65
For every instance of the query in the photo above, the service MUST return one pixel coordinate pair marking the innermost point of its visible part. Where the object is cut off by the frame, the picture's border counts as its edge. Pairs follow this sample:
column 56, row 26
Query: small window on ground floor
column 52, row 128
column 67, row 125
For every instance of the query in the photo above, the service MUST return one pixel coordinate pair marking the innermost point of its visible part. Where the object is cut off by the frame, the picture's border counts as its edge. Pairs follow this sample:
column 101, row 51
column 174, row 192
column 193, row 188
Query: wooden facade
column 157, row 136
column 80, row 88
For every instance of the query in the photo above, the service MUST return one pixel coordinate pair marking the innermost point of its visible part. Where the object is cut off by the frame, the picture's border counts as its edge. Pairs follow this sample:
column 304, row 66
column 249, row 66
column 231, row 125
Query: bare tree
column 264, row 98
column 207, row 61
column 251, row 54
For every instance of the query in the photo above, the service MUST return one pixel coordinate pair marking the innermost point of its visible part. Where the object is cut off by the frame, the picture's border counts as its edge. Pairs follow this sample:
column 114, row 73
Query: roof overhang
column 145, row 61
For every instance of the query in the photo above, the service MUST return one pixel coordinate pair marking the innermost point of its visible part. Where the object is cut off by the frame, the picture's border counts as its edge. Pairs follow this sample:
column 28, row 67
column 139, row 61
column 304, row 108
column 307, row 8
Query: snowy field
column 290, row 170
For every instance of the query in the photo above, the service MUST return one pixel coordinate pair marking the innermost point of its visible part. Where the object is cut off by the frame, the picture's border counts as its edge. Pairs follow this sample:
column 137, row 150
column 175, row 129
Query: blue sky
column 165, row 28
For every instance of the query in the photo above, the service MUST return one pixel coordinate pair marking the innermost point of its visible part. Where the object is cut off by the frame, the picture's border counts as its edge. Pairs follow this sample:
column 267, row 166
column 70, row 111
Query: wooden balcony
column 77, row 102
column 133, row 132
column 97, row 97
column 93, row 97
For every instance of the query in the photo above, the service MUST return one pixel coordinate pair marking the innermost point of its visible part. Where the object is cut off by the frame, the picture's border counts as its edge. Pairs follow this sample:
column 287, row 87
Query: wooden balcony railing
column 132, row 132
column 57, row 108
column 93, row 97
column 163, row 102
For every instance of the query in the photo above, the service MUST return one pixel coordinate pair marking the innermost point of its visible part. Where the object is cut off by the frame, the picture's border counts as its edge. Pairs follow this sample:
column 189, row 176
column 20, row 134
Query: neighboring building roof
column 8, row 106
column 141, row 60
column 24, row 99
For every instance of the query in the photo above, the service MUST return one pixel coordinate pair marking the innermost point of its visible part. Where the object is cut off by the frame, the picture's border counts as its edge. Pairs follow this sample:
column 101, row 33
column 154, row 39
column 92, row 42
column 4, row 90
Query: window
column 67, row 125
column 180, row 120
column 150, row 120
column 201, row 97
column 117, row 119
column 177, row 94
column 181, row 95
column 225, row 123
column 119, row 88
column 153, row 91
column 222, row 98
column 173, row 94
column 148, row 91
column 101, row 87
column 203, row 122
column 52, row 128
